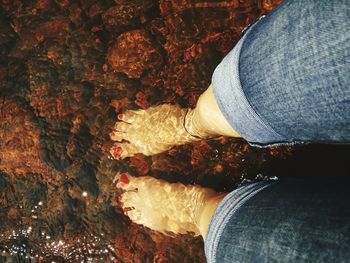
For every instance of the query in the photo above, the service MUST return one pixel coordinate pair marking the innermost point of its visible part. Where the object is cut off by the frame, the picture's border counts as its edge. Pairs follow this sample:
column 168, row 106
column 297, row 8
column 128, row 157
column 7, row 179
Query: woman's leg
column 287, row 80
column 209, row 116
column 268, row 221
column 159, row 128
column 287, row 221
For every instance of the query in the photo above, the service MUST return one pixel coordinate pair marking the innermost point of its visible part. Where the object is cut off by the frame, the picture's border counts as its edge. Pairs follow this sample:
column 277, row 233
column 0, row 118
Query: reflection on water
column 88, row 248
column 67, row 68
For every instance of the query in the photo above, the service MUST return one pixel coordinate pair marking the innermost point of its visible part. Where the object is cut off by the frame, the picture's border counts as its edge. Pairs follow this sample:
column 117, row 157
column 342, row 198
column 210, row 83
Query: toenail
column 117, row 151
column 124, row 179
column 120, row 116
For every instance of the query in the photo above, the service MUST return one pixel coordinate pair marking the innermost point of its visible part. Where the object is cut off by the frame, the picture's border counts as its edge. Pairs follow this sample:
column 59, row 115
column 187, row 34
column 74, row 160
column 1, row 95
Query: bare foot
column 153, row 130
column 163, row 206
column 157, row 129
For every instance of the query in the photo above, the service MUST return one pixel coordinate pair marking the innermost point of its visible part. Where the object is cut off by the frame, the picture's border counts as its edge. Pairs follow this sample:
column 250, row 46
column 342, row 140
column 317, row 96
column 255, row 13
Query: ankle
column 207, row 212
column 193, row 125
column 209, row 117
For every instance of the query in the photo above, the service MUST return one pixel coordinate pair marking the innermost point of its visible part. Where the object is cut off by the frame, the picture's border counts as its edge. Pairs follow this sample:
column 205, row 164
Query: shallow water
column 67, row 68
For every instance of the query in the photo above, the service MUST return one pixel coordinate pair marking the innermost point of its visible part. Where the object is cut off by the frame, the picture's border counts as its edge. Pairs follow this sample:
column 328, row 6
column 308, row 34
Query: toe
column 129, row 116
column 123, row 180
column 128, row 150
column 117, row 136
column 122, row 150
column 122, row 126
column 116, row 150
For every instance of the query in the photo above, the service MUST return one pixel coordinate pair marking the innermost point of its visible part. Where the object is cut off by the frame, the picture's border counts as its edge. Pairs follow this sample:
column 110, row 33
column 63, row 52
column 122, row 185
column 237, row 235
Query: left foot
column 153, row 130
column 163, row 206
column 159, row 128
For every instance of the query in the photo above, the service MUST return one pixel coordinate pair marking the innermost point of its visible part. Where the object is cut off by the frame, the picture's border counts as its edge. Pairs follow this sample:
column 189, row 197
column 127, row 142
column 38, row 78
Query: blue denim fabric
column 288, row 79
column 287, row 221
column 224, row 212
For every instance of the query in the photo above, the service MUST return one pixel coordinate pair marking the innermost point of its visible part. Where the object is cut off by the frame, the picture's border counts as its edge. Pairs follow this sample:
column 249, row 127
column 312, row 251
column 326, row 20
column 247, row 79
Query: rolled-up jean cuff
column 225, row 211
column 233, row 103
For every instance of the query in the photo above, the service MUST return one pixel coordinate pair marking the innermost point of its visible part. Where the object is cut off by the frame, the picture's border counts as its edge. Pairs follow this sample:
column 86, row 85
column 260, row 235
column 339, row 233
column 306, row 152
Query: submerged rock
column 135, row 52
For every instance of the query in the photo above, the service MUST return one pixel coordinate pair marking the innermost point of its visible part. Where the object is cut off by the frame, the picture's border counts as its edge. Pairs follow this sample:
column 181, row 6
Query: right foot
column 166, row 207
column 154, row 130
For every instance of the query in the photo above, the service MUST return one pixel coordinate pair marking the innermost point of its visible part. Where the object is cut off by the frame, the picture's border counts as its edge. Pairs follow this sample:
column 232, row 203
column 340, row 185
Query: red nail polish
column 124, row 179
column 120, row 117
column 117, row 151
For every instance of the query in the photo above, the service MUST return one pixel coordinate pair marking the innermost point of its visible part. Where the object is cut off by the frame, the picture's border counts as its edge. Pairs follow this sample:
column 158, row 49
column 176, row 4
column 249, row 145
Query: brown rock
column 121, row 15
column 134, row 52
column 128, row 13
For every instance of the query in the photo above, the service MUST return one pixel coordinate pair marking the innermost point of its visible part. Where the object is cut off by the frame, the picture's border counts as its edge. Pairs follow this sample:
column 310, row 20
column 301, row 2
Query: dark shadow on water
column 313, row 161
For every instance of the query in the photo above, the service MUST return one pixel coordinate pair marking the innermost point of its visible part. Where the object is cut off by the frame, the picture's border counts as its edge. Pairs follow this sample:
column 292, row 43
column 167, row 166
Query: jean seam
column 255, row 115
column 232, row 87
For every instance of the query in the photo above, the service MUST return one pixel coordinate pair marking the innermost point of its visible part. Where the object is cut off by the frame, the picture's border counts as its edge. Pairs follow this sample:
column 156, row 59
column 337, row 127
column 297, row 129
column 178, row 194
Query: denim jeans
column 283, row 221
column 287, row 81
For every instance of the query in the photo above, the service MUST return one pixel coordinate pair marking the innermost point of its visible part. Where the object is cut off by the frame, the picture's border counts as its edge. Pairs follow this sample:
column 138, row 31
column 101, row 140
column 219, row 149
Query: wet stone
column 134, row 52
